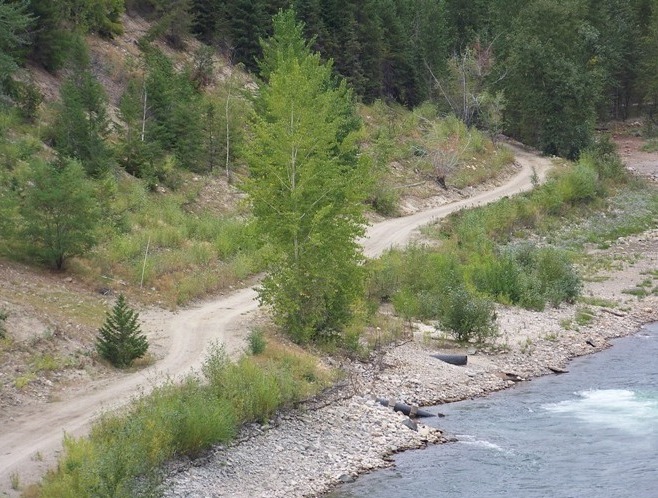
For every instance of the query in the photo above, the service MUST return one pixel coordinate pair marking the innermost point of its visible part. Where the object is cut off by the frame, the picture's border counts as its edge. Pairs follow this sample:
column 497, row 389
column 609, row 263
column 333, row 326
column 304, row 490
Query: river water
column 590, row 433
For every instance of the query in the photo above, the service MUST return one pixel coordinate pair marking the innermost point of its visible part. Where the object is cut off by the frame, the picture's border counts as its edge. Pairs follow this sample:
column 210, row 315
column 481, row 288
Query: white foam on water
column 472, row 441
column 618, row 408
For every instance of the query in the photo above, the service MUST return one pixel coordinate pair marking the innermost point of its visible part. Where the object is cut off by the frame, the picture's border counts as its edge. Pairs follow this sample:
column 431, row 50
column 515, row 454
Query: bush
column 120, row 340
column 384, row 200
column 257, row 342
column 580, row 184
column 559, row 280
column 3, row 319
column 468, row 316
column 528, row 276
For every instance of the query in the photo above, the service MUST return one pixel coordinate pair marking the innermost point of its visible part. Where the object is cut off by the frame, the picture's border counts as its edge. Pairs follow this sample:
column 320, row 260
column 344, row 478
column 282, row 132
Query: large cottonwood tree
column 306, row 185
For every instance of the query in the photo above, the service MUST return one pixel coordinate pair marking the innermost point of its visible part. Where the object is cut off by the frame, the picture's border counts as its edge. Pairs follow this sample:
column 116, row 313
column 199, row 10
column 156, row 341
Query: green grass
column 651, row 145
column 584, row 316
column 637, row 292
column 597, row 301
column 189, row 255
column 124, row 452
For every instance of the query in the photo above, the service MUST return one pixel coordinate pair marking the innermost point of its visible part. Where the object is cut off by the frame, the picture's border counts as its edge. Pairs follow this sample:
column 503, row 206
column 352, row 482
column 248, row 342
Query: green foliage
column 27, row 98
column 306, row 188
column 432, row 285
column 468, row 317
column 123, row 452
column 59, row 212
column 554, row 82
column 120, row 340
column 123, row 455
column 52, row 39
column 99, row 16
column 174, row 112
column 14, row 23
column 82, row 123
column 174, row 21
column 3, row 318
column 648, row 66
column 384, row 199
column 257, row 342
column 529, row 277
column 603, row 157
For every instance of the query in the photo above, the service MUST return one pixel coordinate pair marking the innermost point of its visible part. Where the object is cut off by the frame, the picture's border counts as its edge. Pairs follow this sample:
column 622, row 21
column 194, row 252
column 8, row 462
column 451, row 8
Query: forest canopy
column 544, row 70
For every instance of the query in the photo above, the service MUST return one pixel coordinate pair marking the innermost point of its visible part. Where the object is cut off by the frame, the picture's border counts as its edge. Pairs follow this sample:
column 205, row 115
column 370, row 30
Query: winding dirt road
column 29, row 445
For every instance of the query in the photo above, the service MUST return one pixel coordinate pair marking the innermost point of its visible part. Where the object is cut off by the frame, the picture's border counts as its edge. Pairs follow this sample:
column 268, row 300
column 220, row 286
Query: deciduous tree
column 306, row 187
column 59, row 212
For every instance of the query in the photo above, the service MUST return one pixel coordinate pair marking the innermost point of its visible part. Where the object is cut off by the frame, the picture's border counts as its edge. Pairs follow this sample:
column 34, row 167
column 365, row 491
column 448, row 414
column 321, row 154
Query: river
column 592, row 432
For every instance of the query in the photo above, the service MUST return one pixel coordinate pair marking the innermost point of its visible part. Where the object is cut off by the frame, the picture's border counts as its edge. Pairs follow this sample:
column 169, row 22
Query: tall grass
column 124, row 452
column 188, row 255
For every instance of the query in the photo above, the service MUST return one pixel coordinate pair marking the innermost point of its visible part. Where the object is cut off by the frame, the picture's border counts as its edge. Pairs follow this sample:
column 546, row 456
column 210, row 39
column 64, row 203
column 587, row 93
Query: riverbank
column 307, row 453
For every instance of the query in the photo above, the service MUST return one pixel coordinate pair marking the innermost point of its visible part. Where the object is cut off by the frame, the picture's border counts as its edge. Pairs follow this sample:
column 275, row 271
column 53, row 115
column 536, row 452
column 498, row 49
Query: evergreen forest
column 551, row 68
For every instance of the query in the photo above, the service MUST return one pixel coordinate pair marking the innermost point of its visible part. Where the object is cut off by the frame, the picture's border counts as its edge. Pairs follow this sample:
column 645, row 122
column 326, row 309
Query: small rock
column 411, row 424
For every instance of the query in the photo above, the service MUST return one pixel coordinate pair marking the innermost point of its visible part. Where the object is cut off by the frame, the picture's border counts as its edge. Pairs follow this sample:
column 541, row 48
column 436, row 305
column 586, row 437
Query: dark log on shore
column 615, row 313
column 453, row 359
column 411, row 411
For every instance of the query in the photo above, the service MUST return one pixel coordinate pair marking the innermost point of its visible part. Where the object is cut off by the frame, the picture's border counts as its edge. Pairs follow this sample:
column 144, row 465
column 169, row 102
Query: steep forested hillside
column 551, row 68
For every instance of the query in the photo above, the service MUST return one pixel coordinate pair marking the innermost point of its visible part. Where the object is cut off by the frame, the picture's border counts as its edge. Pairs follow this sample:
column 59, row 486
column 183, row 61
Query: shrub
column 528, row 276
column 384, row 200
column 3, row 319
column 257, row 342
column 559, row 280
column 468, row 316
column 120, row 340
column 580, row 184
column 500, row 278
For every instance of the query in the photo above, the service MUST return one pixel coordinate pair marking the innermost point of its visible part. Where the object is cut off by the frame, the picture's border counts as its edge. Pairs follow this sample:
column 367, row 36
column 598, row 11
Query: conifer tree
column 14, row 22
column 82, row 123
column 120, row 340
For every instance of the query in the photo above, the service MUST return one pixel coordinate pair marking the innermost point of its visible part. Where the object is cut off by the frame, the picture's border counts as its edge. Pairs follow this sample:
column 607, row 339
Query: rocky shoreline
column 310, row 451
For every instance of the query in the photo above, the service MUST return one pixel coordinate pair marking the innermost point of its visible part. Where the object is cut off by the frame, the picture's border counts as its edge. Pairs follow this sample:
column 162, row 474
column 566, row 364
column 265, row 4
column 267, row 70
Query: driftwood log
column 409, row 410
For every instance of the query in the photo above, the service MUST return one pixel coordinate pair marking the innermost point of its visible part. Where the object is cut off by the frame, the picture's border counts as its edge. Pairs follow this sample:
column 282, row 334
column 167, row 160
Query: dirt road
column 29, row 444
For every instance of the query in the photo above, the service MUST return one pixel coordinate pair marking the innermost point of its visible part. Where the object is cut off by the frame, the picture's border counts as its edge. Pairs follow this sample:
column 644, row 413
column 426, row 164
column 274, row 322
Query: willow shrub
column 528, row 276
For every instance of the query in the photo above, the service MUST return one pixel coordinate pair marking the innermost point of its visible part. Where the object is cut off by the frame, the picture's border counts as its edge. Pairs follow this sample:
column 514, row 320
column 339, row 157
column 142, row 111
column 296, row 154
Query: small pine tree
column 120, row 340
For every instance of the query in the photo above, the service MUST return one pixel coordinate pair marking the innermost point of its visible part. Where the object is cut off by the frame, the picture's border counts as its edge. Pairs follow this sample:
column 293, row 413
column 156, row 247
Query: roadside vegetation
column 421, row 153
column 518, row 251
column 123, row 454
